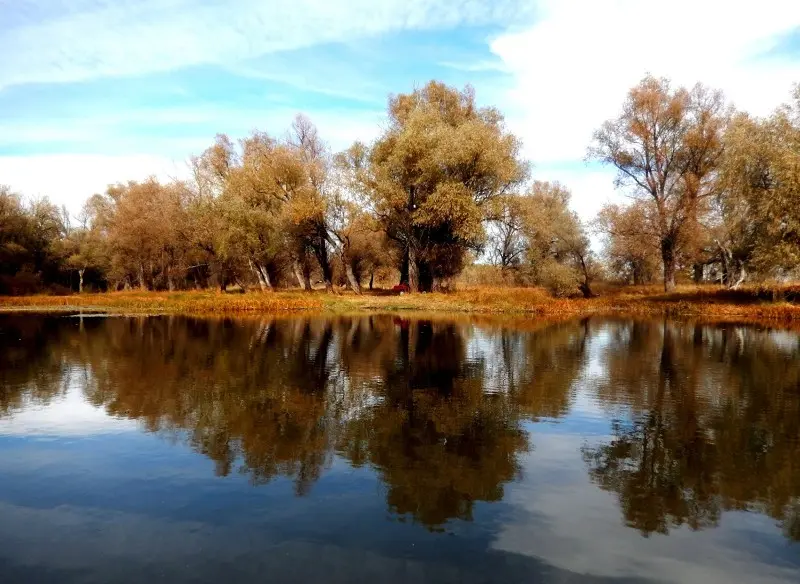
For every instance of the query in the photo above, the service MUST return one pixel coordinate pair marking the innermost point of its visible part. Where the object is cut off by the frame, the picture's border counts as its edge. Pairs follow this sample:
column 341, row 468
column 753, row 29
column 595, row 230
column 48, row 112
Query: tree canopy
column 714, row 197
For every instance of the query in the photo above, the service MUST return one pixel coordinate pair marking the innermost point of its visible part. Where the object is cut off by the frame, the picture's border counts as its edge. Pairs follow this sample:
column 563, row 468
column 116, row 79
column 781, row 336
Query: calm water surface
column 385, row 449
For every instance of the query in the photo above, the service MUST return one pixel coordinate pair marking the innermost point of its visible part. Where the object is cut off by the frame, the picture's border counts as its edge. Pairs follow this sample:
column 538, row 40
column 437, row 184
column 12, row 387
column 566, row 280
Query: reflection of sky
column 85, row 497
column 564, row 520
column 66, row 415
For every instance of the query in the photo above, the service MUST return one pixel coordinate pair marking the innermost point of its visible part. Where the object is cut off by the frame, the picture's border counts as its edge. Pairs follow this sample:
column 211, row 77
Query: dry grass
column 169, row 302
column 753, row 303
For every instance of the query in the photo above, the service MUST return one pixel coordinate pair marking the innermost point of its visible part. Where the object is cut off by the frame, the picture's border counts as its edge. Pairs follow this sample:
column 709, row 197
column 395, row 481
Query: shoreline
column 692, row 302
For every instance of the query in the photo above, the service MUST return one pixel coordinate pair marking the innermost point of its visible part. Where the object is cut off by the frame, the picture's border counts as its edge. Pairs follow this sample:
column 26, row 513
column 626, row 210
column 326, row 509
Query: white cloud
column 134, row 37
column 566, row 74
column 70, row 179
column 591, row 187
column 574, row 66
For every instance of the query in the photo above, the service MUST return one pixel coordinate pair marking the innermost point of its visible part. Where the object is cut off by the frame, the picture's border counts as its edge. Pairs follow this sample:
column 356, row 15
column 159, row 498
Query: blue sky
column 95, row 91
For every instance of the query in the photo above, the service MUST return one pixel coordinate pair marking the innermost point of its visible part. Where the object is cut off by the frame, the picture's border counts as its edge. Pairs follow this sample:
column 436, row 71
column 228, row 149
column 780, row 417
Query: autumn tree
column 146, row 225
column 29, row 235
column 559, row 251
column 507, row 242
column 538, row 237
column 271, row 196
column 432, row 174
column 631, row 249
column 760, row 199
column 666, row 146
column 359, row 241
column 86, row 247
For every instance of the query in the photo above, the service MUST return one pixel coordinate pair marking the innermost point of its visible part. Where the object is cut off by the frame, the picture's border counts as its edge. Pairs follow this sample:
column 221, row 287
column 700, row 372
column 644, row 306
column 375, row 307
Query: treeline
column 714, row 194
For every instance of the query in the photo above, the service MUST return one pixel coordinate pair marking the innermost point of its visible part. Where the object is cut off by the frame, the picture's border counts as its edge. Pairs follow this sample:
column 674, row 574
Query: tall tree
column 432, row 174
column 506, row 232
column 559, row 252
column 666, row 145
column 760, row 203
column 631, row 242
column 146, row 231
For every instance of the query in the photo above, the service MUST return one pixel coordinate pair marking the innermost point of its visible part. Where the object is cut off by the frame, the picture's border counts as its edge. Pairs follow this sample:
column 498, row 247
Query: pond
column 397, row 449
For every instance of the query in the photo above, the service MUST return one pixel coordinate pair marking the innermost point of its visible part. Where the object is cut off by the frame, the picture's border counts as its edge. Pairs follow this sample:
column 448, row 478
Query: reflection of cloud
column 67, row 415
column 569, row 522
column 67, row 544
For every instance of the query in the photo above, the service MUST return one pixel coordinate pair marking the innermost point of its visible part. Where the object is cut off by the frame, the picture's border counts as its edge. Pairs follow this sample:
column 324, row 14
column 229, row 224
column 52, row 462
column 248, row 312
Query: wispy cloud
column 131, row 37
column 125, row 88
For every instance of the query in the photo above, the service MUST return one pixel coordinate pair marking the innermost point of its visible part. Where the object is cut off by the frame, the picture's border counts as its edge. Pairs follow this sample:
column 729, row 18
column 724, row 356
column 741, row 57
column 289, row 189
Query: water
column 386, row 449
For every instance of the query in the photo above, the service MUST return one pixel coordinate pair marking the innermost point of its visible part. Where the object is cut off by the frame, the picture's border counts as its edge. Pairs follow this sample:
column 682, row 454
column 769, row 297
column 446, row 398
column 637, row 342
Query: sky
column 94, row 92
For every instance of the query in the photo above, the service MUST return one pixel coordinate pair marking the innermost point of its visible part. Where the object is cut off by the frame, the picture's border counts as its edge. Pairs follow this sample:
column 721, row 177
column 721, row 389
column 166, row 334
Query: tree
column 558, row 251
column 29, row 235
column 506, row 237
column 147, row 233
column 666, row 145
column 309, row 205
column 631, row 248
column 760, row 199
column 431, row 176
column 85, row 248
column 272, row 197
column 361, row 244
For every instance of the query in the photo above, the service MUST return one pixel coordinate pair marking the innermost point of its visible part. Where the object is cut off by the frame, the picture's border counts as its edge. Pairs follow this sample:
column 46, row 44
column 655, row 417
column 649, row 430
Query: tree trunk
column 327, row 274
column 586, row 286
column 726, row 267
column 404, row 268
column 371, row 278
column 259, row 277
column 638, row 278
column 142, row 284
column 413, row 272
column 668, row 257
column 697, row 270
column 80, row 280
column 351, row 277
column 425, row 279
column 302, row 277
column 742, row 276
column 262, row 275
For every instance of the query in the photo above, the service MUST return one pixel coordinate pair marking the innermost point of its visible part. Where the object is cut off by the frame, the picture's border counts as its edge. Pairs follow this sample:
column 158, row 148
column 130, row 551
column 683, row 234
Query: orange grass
column 168, row 302
column 751, row 303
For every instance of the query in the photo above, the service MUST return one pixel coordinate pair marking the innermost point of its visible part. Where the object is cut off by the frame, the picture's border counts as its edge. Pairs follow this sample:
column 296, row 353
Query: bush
column 23, row 283
column 562, row 281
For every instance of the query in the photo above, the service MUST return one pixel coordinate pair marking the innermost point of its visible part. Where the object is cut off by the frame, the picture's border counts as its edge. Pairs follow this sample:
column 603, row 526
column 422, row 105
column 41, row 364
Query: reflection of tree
column 711, row 422
column 248, row 392
column 428, row 405
column 707, row 418
column 31, row 365
column 439, row 440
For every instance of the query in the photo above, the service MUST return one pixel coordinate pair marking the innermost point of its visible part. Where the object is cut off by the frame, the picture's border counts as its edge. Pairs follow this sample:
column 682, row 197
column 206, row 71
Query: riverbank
column 775, row 304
